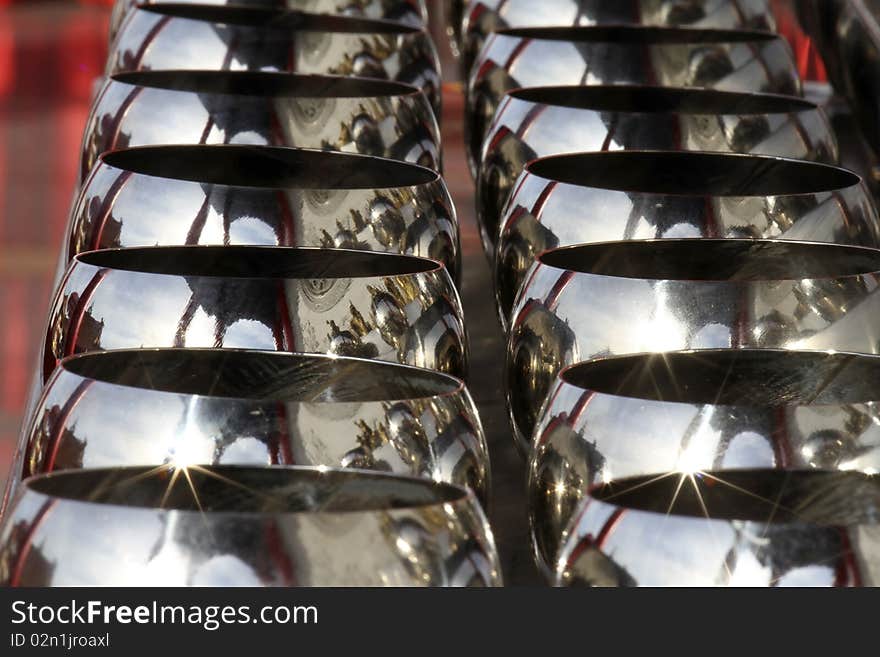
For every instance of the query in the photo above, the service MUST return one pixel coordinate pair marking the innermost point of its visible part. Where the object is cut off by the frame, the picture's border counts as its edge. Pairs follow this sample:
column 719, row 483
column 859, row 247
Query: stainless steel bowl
column 183, row 407
column 371, row 117
column 603, row 197
column 410, row 12
column 731, row 60
column 528, row 123
column 617, row 298
column 486, row 16
column 230, row 526
column 752, row 528
column 184, row 36
column 708, row 410
column 257, row 195
column 378, row 306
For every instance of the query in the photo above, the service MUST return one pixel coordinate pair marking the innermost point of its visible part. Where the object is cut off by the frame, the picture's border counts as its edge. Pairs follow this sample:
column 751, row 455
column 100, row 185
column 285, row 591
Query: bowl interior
column 245, row 490
column 264, row 376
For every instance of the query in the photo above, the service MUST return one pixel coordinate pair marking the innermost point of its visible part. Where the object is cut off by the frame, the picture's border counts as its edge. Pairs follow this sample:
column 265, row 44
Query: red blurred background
column 51, row 52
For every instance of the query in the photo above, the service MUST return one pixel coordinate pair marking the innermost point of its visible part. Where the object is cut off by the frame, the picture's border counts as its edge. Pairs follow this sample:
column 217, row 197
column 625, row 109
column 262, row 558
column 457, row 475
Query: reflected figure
column 225, row 526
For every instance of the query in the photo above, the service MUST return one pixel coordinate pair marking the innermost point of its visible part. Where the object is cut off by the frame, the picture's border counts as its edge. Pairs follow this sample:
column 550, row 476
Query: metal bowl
column 257, row 195
column 231, row 526
column 617, row 298
column 639, row 118
column 371, row 117
column 727, row 409
column 731, row 60
column 184, row 36
column 378, row 306
column 603, row 197
column 409, row 12
column 486, row 16
column 234, row 407
column 754, row 528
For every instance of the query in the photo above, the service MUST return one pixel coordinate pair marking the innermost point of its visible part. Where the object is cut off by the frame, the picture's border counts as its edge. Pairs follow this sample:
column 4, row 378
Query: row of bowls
column 688, row 285
column 252, row 372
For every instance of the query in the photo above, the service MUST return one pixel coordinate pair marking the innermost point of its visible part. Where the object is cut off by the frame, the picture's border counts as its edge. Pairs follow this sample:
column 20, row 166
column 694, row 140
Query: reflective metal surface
column 730, row 60
column 232, row 407
column 371, row 117
column 182, row 36
column 228, row 526
column 603, row 197
column 187, row 195
column 528, row 123
column 410, row 12
column 348, row 303
column 662, row 295
column 486, row 16
column 454, row 12
column 764, row 528
column 631, row 416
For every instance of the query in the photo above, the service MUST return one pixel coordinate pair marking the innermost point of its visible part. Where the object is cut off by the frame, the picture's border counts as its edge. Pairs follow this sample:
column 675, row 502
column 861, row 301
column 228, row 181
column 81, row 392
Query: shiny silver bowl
column 754, row 528
column 378, row 306
column 731, row 60
column 235, row 407
column 184, row 36
column 371, row 117
column 614, row 118
column 617, row 298
column 257, row 195
column 603, row 197
column 726, row 409
column 410, row 12
column 486, row 16
column 234, row 526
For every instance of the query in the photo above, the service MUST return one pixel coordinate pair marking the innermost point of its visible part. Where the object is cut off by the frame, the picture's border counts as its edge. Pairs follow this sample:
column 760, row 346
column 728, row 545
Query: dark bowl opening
column 750, row 377
column 693, row 174
column 715, row 260
column 264, row 166
column 259, row 83
column 264, row 376
column 287, row 19
column 662, row 100
column 628, row 35
column 257, row 262
column 766, row 496
column 245, row 490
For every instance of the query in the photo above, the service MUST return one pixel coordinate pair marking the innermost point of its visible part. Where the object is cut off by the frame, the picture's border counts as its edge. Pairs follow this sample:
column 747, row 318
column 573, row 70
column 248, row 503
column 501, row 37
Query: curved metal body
column 409, row 12
column 229, row 407
column 371, row 117
column 604, row 197
column 297, row 300
column 637, row 296
column 528, row 123
column 593, row 55
column 183, row 37
column 221, row 195
column 761, row 529
column 486, row 16
column 229, row 526
column 632, row 416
